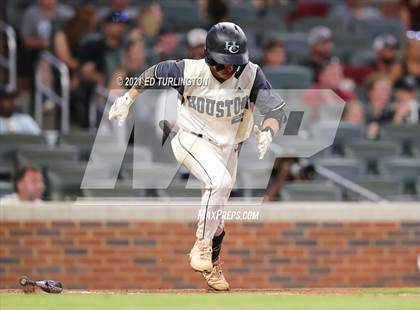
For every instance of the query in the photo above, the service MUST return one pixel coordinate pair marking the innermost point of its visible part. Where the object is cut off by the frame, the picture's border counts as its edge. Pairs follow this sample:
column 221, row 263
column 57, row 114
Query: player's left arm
column 270, row 104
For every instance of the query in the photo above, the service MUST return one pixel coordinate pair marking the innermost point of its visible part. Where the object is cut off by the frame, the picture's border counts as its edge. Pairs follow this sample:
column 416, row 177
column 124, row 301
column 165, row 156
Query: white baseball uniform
column 213, row 119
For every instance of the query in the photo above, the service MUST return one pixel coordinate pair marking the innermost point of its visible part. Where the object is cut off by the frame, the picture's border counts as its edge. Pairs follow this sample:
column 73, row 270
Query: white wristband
column 127, row 99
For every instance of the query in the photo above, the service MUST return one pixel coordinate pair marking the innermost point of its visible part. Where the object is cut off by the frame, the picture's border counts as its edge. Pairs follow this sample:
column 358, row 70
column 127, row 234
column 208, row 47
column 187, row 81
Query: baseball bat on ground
column 49, row 286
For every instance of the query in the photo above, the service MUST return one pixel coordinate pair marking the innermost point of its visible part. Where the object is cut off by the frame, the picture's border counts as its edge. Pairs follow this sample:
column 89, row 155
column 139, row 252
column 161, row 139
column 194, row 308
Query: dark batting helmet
column 226, row 44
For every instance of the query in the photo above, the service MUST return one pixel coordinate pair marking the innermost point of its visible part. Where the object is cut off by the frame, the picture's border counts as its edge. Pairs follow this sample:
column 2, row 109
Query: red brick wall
column 140, row 255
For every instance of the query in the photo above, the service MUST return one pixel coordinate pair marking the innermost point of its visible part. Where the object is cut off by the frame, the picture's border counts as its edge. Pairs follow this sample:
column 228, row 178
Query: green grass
column 242, row 301
column 394, row 291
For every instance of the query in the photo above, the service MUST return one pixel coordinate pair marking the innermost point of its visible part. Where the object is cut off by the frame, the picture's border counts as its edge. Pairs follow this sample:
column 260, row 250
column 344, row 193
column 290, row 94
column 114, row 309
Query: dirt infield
column 403, row 292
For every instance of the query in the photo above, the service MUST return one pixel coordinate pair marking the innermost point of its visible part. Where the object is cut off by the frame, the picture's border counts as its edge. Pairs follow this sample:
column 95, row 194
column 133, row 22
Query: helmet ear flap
column 208, row 58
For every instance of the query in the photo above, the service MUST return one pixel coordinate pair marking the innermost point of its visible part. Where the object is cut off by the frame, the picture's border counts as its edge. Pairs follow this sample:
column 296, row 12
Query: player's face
column 225, row 73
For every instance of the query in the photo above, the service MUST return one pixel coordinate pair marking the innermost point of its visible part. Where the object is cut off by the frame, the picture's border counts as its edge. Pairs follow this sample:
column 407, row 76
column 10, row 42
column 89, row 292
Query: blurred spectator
column 354, row 113
column 12, row 122
column 149, row 24
column 306, row 9
column 96, row 54
column 386, row 48
column 218, row 11
column 350, row 10
column 379, row 87
column 67, row 41
column 320, row 41
column 328, row 77
column 411, row 60
column 117, row 6
column 168, row 45
column 407, row 107
column 37, row 30
column 29, row 186
column 67, row 47
column 410, row 14
column 133, row 64
column 287, row 170
column 274, row 53
column 100, row 56
column 196, row 39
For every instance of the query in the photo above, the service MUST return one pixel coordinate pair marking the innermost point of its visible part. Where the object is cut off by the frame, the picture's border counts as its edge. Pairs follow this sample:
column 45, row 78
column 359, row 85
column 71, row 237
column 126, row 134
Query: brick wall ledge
column 178, row 211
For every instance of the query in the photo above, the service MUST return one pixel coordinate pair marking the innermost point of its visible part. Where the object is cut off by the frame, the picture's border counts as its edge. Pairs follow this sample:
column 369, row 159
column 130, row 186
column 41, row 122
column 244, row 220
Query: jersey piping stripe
column 276, row 108
column 279, row 107
column 211, row 184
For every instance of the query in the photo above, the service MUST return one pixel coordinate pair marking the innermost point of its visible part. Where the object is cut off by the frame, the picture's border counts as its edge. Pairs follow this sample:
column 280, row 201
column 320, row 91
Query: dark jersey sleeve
column 267, row 101
column 169, row 73
column 173, row 72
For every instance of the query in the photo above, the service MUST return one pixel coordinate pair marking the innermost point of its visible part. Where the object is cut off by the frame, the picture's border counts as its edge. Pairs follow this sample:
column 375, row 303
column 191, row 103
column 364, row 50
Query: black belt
column 204, row 137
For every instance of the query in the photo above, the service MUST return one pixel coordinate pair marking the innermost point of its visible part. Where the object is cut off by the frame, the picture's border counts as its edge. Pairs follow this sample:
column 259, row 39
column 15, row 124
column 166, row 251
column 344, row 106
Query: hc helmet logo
column 232, row 47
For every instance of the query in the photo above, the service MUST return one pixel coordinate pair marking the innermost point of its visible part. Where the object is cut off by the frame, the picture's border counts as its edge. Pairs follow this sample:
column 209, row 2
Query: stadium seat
column 121, row 190
column 374, row 27
column 371, row 151
column 63, row 185
column 405, row 198
column 254, row 179
column 107, row 155
column 296, row 45
column 242, row 13
column 349, row 168
column 248, row 157
column 11, row 142
column 328, row 112
column 83, row 140
column 246, row 16
column 178, row 188
column 383, row 187
column 362, row 57
column 346, row 44
column 150, row 175
column 182, row 15
column 6, row 188
column 415, row 150
column 310, row 191
column 400, row 168
column 402, row 133
column 418, row 187
column 346, row 133
column 289, row 77
column 40, row 156
column 64, row 181
column 305, row 24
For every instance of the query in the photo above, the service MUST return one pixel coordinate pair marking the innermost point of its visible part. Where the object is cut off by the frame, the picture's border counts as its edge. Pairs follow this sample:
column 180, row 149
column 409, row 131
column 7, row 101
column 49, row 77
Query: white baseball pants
column 215, row 167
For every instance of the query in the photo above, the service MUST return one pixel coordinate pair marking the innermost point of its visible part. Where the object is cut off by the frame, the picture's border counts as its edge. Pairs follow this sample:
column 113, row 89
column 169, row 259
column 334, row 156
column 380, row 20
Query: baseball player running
column 212, row 121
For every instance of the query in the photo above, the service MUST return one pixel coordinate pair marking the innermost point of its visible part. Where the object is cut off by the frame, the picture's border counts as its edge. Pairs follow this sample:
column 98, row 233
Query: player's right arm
column 121, row 106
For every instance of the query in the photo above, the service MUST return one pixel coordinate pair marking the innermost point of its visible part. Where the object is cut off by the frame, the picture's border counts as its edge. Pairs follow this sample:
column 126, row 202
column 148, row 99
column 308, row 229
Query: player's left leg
column 215, row 279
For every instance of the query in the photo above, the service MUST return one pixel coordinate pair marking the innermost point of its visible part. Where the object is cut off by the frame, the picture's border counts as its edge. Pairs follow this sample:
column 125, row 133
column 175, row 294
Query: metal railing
column 42, row 90
column 348, row 184
column 101, row 92
column 340, row 180
column 9, row 62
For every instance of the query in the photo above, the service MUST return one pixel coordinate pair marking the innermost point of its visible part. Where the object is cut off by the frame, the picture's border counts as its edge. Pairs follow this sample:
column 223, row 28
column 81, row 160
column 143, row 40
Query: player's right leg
column 206, row 162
